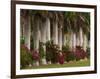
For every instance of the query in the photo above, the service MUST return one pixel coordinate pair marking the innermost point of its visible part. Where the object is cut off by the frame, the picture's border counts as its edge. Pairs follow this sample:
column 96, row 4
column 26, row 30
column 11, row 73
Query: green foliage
column 88, row 52
column 22, row 40
column 75, row 20
column 54, row 51
column 41, row 50
column 51, row 51
column 65, row 48
column 25, row 57
column 70, row 56
column 48, row 51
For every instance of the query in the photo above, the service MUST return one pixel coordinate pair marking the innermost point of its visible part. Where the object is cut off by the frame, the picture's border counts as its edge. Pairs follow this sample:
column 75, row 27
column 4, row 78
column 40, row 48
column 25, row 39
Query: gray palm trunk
column 55, row 32
column 27, row 29
column 44, row 26
column 85, row 42
column 78, row 40
column 81, row 36
column 64, row 43
column 70, row 41
column 73, row 40
column 36, row 35
column 48, row 34
column 60, row 37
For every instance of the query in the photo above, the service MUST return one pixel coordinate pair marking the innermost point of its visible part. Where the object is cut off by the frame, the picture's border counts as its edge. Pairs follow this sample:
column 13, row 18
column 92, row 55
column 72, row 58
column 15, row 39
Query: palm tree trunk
column 73, row 41
column 64, row 39
column 70, row 40
column 48, row 34
column 43, row 38
column 55, row 32
column 27, row 32
column 48, row 29
column 85, row 43
column 36, row 34
column 81, row 37
column 22, row 24
column 60, row 37
column 77, row 40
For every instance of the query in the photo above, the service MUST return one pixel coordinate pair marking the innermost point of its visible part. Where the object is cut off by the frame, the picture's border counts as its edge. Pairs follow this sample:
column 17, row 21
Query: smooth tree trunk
column 48, row 30
column 27, row 31
column 43, row 38
column 60, row 37
column 85, row 42
column 81, row 37
column 48, row 33
column 22, row 28
column 64, row 39
column 36, row 35
column 73, row 41
column 55, row 32
column 77, row 40
column 70, row 41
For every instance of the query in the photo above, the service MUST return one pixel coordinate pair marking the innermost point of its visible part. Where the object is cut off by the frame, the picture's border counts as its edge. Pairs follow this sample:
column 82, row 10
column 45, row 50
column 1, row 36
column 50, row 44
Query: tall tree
column 71, row 20
column 25, row 27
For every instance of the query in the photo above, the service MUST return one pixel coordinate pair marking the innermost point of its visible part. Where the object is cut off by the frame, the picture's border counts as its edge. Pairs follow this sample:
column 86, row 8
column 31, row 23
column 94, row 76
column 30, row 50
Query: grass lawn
column 68, row 64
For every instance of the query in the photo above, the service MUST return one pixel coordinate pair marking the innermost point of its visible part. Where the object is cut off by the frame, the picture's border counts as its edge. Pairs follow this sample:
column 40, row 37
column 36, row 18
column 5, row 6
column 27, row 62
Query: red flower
column 36, row 55
column 25, row 47
column 61, row 58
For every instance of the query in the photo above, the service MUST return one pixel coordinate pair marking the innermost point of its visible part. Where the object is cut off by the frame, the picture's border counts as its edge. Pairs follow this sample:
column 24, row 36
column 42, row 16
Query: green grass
column 68, row 64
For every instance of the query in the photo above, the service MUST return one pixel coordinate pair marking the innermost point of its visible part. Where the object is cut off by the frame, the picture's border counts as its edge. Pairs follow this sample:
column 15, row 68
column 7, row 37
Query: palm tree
column 45, row 31
column 54, row 25
column 25, row 27
column 79, row 26
column 40, row 26
column 86, row 28
column 71, row 21
column 83, row 29
column 60, row 28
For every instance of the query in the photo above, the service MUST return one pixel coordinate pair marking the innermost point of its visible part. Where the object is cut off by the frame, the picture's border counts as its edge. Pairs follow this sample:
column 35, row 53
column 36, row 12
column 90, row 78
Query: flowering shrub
column 51, row 51
column 60, row 57
column 70, row 56
column 25, row 56
column 80, row 53
column 88, row 52
column 41, row 50
column 65, row 48
column 35, row 55
column 22, row 40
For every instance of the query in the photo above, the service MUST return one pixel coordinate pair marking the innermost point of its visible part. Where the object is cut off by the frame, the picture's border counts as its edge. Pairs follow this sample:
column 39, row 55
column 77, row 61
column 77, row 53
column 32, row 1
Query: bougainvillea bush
column 88, row 52
column 80, row 53
column 25, row 56
column 35, row 55
column 51, row 51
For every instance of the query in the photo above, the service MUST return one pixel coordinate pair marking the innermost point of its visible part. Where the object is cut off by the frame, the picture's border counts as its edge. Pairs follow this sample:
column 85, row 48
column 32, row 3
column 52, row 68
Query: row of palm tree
column 78, row 25
column 43, row 26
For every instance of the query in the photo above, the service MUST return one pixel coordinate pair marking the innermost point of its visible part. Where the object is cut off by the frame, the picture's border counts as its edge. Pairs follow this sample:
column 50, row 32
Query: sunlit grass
column 81, row 63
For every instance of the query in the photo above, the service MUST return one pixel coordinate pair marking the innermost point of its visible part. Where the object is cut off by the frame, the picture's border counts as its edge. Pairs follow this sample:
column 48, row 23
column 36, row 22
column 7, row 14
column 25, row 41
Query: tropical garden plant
column 25, row 56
